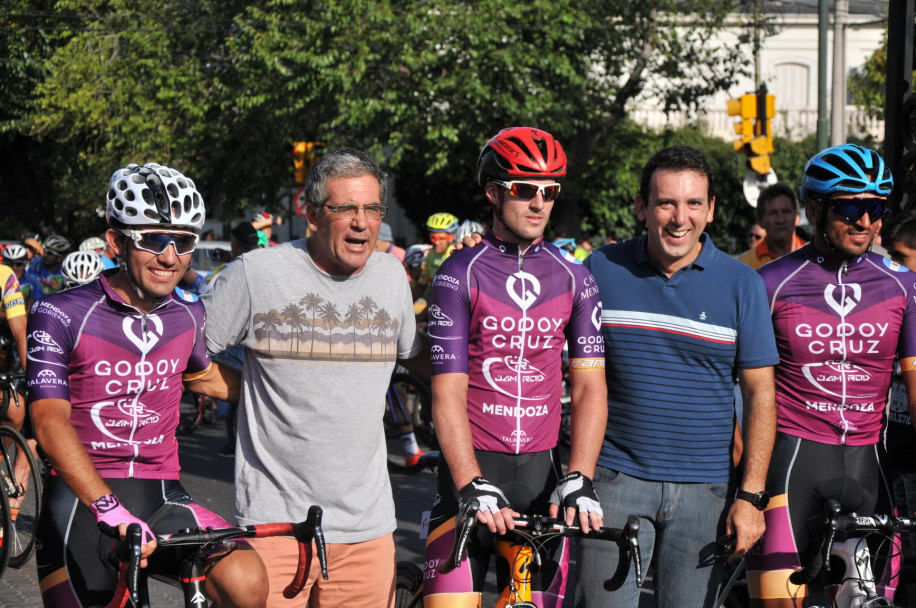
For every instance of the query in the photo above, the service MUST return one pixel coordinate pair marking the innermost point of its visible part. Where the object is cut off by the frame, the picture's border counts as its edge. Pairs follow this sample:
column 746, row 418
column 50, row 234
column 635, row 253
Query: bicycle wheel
column 410, row 583
column 418, row 402
column 5, row 525
column 23, row 495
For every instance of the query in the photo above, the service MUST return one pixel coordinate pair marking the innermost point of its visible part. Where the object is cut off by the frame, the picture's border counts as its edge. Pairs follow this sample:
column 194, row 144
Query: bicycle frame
column 536, row 530
column 132, row 582
column 844, row 536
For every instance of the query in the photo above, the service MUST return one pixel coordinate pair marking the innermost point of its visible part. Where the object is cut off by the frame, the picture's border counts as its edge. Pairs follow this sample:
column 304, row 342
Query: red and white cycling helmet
column 154, row 194
column 520, row 152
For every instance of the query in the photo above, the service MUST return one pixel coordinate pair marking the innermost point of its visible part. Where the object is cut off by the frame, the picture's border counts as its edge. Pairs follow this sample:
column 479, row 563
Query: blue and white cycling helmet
column 154, row 194
column 847, row 168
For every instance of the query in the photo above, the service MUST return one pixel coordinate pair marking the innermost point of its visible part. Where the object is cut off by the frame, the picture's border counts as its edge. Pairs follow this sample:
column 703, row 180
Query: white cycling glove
column 488, row 496
column 576, row 491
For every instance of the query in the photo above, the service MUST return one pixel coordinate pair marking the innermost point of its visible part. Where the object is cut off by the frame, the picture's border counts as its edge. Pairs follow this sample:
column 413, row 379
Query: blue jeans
column 679, row 523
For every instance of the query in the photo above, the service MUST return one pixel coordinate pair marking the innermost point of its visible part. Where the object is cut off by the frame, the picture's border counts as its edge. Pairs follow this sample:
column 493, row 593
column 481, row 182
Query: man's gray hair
column 342, row 163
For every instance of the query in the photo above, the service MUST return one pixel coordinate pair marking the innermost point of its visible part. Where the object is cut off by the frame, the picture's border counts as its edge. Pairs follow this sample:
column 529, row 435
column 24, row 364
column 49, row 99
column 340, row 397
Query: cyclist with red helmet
column 498, row 318
column 842, row 314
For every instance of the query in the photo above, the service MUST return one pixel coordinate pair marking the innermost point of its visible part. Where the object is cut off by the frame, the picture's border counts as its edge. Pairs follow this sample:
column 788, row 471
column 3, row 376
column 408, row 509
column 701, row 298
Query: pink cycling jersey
column 839, row 325
column 121, row 370
column 502, row 317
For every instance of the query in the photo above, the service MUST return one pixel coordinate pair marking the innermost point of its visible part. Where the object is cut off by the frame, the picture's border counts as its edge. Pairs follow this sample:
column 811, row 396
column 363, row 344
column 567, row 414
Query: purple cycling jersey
column 839, row 325
column 121, row 370
column 502, row 316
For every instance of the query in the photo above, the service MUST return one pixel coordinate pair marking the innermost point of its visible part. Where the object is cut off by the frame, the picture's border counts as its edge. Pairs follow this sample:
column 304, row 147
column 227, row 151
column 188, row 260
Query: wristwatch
column 760, row 500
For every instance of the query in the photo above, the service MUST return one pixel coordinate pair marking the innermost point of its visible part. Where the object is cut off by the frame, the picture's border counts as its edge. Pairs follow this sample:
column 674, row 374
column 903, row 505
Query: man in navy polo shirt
column 679, row 319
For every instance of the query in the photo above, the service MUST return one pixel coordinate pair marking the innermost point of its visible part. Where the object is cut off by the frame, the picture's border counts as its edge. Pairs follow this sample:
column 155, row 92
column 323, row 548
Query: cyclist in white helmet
column 81, row 267
column 46, row 268
column 107, row 363
column 100, row 247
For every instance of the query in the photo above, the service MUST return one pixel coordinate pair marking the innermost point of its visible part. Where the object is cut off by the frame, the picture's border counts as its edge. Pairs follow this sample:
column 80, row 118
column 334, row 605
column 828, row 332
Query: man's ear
column 640, row 206
column 115, row 240
column 491, row 191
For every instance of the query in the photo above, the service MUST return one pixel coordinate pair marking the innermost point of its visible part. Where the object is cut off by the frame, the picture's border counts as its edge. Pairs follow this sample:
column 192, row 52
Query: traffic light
column 304, row 156
column 745, row 107
column 300, row 166
column 755, row 130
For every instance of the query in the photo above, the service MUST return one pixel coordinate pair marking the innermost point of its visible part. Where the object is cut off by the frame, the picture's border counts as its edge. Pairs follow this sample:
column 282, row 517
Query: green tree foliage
column 221, row 89
column 867, row 83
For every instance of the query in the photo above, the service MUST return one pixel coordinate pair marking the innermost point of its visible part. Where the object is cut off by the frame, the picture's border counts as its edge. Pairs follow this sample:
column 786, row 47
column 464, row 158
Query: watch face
column 761, row 500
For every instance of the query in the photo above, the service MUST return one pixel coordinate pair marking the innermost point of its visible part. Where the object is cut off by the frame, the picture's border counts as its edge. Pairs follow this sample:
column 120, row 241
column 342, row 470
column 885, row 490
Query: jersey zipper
column 844, row 424
column 141, row 367
column 519, row 406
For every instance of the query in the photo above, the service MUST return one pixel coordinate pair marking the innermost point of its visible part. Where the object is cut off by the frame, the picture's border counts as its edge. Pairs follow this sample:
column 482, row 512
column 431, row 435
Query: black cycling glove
column 488, row 496
column 576, row 491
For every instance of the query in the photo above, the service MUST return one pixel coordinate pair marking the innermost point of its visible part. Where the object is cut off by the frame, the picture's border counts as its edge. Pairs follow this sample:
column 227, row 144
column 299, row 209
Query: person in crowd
column 106, row 368
column 442, row 228
column 385, row 243
column 46, row 268
column 777, row 214
column 584, row 248
column 900, row 236
column 13, row 320
column 32, row 243
column 323, row 321
column 264, row 222
column 16, row 257
column 755, row 236
column 841, row 314
column 496, row 390
column 679, row 318
column 99, row 246
column 81, row 267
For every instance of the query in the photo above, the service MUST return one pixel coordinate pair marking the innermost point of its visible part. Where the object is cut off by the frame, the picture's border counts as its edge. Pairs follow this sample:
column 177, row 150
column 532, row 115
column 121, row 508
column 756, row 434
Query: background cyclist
column 81, row 267
column 46, row 268
column 498, row 317
column 442, row 228
column 106, row 366
column 841, row 315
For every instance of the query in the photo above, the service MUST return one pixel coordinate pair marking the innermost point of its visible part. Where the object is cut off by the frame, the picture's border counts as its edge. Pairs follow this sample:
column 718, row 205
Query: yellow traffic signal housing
column 300, row 166
column 755, row 135
column 305, row 153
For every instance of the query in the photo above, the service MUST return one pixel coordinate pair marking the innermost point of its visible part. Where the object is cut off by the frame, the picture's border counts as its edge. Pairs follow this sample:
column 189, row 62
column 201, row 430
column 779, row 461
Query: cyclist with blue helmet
column 841, row 315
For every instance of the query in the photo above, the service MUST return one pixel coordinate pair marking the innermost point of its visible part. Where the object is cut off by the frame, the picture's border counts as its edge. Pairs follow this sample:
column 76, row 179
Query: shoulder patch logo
column 187, row 296
column 894, row 266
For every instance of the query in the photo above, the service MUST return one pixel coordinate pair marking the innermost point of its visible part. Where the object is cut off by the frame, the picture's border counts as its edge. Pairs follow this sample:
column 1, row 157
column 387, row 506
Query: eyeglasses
column 528, row 190
column 755, row 236
column 852, row 209
column 440, row 237
column 157, row 241
column 373, row 212
column 14, row 264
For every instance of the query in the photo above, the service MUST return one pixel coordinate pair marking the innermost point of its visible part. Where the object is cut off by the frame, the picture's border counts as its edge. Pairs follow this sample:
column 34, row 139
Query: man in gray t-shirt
column 323, row 321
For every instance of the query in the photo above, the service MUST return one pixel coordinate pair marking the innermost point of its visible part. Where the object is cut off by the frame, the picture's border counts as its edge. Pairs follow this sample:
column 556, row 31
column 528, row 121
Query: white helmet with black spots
column 81, row 267
column 154, row 195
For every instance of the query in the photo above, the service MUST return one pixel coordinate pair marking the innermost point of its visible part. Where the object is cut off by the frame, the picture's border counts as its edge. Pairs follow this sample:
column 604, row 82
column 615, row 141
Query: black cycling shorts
column 73, row 557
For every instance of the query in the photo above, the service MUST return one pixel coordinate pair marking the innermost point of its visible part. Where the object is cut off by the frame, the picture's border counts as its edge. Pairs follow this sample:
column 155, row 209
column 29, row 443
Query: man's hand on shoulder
column 471, row 241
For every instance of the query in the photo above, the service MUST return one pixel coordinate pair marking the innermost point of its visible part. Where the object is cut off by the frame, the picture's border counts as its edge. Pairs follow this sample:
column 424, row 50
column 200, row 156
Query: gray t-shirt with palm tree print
column 319, row 352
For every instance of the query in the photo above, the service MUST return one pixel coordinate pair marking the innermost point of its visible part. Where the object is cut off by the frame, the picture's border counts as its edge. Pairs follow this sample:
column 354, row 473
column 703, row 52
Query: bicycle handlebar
column 830, row 524
column 536, row 526
column 127, row 550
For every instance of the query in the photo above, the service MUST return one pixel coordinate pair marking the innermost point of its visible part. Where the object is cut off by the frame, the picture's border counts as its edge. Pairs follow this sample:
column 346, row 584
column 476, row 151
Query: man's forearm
column 760, row 428
column 588, row 420
column 453, row 429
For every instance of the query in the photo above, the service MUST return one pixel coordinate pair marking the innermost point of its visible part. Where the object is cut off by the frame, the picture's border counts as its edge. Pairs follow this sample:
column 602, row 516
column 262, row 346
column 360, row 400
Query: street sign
column 299, row 202
column 754, row 183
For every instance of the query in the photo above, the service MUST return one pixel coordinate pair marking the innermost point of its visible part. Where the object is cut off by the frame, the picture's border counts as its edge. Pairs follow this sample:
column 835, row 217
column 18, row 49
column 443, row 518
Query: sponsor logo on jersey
column 513, row 376
column 141, row 334
column 523, row 288
column 438, row 317
column 843, row 298
column 44, row 307
column 444, row 280
column 119, row 420
column 840, row 375
column 843, row 339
